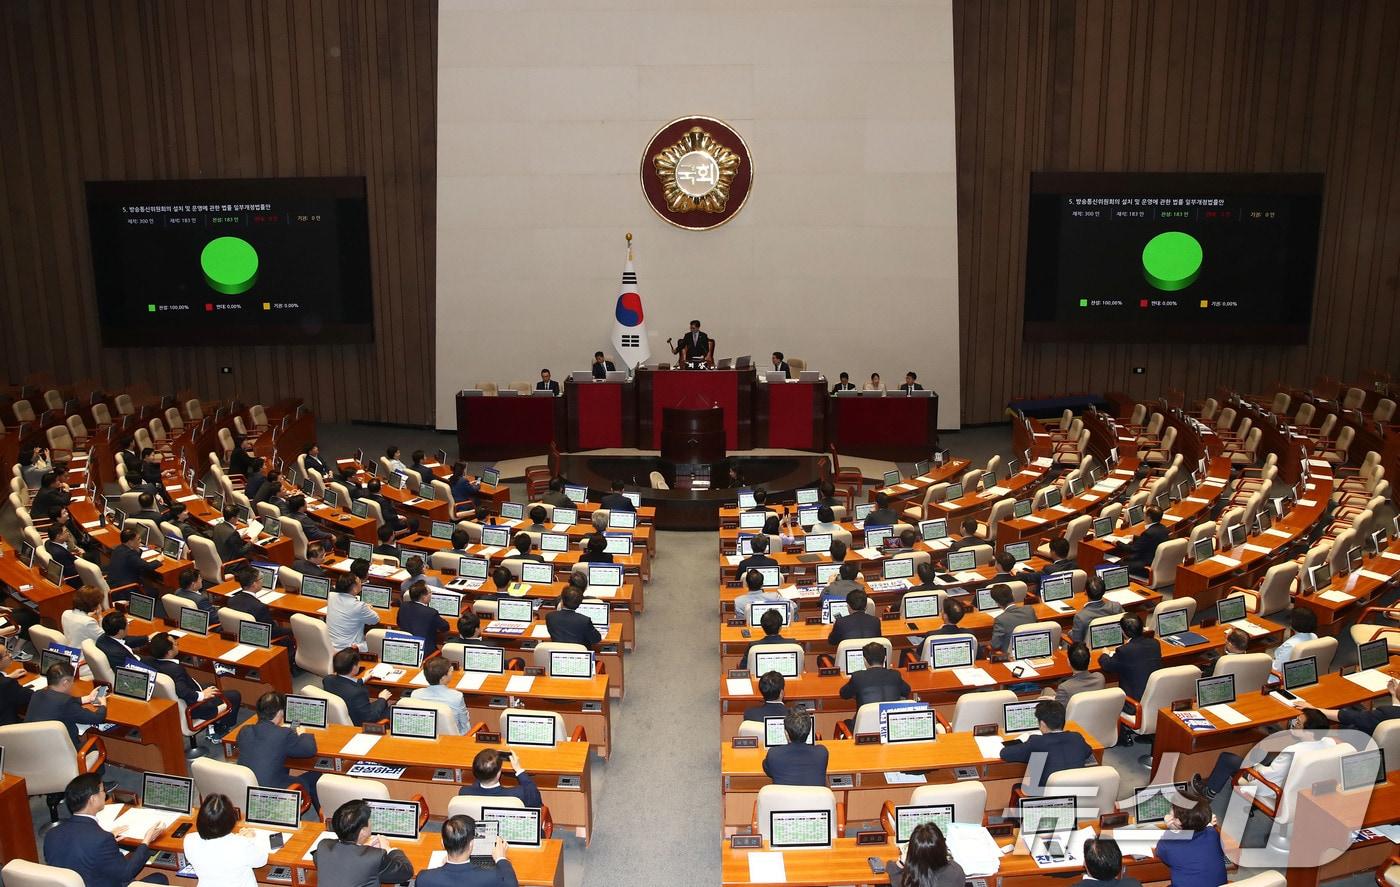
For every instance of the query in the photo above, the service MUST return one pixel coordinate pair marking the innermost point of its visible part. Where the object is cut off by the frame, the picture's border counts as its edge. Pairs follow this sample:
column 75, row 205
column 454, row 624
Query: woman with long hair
column 927, row 862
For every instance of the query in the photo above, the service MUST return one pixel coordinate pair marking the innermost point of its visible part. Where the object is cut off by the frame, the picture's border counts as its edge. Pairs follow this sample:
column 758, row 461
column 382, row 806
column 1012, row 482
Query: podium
column 692, row 437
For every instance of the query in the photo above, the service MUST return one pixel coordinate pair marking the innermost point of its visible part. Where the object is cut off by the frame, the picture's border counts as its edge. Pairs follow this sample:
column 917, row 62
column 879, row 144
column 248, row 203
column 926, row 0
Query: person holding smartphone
column 459, row 840
column 220, row 856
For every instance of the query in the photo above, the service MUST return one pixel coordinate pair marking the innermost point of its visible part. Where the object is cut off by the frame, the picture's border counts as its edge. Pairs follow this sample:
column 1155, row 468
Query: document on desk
column 1107, row 486
column 1042, row 462
column 1026, row 670
column 488, row 551
column 897, row 777
column 1033, row 519
column 520, row 683
column 766, row 867
column 190, row 498
column 1124, row 596
column 1225, row 713
column 107, row 816
column 322, row 840
column 264, row 837
column 1373, row 575
column 549, row 556
column 1061, row 509
column 1249, row 628
column 540, row 631
column 869, row 554
column 420, row 679
column 1170, row 518
column 268, row 596
column 437, row 858
column 602, row 592
column 237, row 653
column 973, row 848
column 1370, row 679
column 973, row 677
column 739, row 686
column 360, row 745
column 1197, row 500
column 1337, row 597
column 1391, row 832
column 1226, row 561
column 1257, row 549
column 990, row 746
column 1282, row 534
column 1138, row 842
column 733, row 559
column 471, row 680
column 1391, row 555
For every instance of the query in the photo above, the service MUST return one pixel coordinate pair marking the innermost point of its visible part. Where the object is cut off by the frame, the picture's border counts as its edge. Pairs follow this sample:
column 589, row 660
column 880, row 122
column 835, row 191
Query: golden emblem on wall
column 696, row 172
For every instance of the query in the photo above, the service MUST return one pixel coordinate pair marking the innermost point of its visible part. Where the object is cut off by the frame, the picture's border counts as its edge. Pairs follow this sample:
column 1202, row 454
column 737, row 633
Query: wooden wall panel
column 1176, row 85
column 113, row 89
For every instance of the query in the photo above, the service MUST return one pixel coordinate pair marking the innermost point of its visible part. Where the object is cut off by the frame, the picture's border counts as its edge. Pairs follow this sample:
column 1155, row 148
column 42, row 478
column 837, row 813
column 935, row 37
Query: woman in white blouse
column 80, row 623
column 874, row 384
column 219, row 857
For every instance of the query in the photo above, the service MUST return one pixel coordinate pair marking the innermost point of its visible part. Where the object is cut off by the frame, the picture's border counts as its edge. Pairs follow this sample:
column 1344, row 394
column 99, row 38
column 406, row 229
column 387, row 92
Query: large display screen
column 1175, row 257
column 231, row 261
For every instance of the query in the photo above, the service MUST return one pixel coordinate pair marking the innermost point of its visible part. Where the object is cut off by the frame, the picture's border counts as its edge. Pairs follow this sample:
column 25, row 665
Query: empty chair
column 780, row 798
column 23, row 873
column 1324, row 648
column 337, row 712
column 43, row 754
column 561, row 729
column 1179, row 603
column 333, row 790
column 1168, row 557
column 1385, row 411
column 658, row 481
column 973, row 709
column 313, row 639
column 969, row 799
column 1095, row 787
column 1096, row 713
column 1251, row 670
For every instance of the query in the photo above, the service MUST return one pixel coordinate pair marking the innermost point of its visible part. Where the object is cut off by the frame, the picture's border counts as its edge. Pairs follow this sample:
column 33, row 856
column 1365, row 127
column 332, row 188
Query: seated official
column 240, row 461
column 760, row 500
column 115, row 644
column 1081, row 679
column 80, row 844
column 953, row 612
column 845, row 582
column 14, row 696
column 188, row 587
column 1012, row 616
column 79, row 622
column 567, row 626
column 56, row 702
column 1236, row 644
column 53, row 495
column 127, row 567
column 218, row 855
column 927, row 575
column 316, row 562
column 347, row 616
column 1136, row 660
column 926, row 861
column 857, row 623
column 358, row 857
column 781, row 366
column 844, row 384
column 826, row 495
column 501, row 581
column 874, row 384
column 759, row 558
column 1103, row 865
column 838, row 552
column 772, row 625
column 468, row 628
column 198, row 700
column 415, row 566
column 602, row 366
column 539, row 519
column 555, row 495
column 374, row 491
column 875, row 683
column 353, row 691
column 257, row 477
column 1303, row 623
column 883, row 515
column 911, row 382
column 1049, row 751
column 779, row 527
column 1062, row 562
column 458, row 869
column 296, row 510
column 969, row 537
column 756, row 593
column 179, row 516
column 770, row 687
column 1368, row 719
column 1006, row 569
column 146, row 508
column 419, row 619
column 547, row 384
column 596, row 550
column 1191, row 847
column 312, row 458
column 464, row 487
column 826, row 520
column 796, row 763
column 1096, row 607
column 424, row 472
column 522, row 549
column 229, row 544
column 615, row 501
column 266, row 745
column 270, row 491
column 391, row 455
column 386, row 547
column 33, row 462
column 59, row 548
column 1309, row 730
column 245, row 600
column 486, row 778
column 1138, row 554
column 460, row 542
column 437, row 671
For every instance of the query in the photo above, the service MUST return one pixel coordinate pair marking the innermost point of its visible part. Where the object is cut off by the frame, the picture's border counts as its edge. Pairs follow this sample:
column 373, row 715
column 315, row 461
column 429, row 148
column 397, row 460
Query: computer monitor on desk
column 413, row 723
column 304, row 711
column 393, row 819
column 519, row 826
column 276, row 807
column 933, row 529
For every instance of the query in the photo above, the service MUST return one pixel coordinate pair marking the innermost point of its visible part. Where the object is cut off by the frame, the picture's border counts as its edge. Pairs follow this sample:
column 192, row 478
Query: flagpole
column 629, row 246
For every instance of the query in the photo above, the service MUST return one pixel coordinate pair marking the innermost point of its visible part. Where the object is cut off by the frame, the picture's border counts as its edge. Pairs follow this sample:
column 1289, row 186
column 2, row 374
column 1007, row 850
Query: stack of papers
column 237, row 653
column 267, row 596
column 1371, row 679
column 990, row 746
column 973, row 677
column 1337, row 597
column 472, row 680
column 1373, row 575
column 1257, row 549
column 1195, row 720
column 1249, row 628
column 1123, row 596
column 1226, row 713
column 739, row 686
column 383, row 671
column 869, row 554
column 1227, row 561
column 973, row 849
column 1137, row 841
column 520, row 683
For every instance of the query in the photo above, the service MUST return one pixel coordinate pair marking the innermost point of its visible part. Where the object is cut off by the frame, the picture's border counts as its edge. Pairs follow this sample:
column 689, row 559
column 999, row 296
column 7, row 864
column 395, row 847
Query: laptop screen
column 1031, row 645
column 816, row 542
column 863, row 510
column 318, row 587
column 1107, row 634
column 141, row 606
column 495, row 537
column 808, row 496
column 622, row 520
column 1300, row 673
column 519, row 826
column 597, row 612
column 962, row 560
column 1363, row 769
column 892, row 477
column 908, row 818
column 954, row 491
column 1020, row 551
column 273, row 806
column 194, row 621
column 1135, row 514
column 833, row 610
column 772, row 576
column 784, row 662
column 554, row 542
column 1152, row 803
column 564, row 517
column 576, row 493
column 1019, row 717
column 527, row 729
column 306, row 711
column 487, row 660
column 1215, row 691
column 604, row 575
column 952, row 654
column 472, row 567
column 1049, row 814
column 1114, row 577
column 826, row 573
column 775, row 734
column 393, row 819
column 1057, row 587
column 898, row 568
column 1173, row 621
column 402, row 651
column 757, row 610
column 447, row 603
column 799, row 828
column 413, row 723
column 133, row 683
column 569, row 664
column 1202, row 548
column 746, row 499
column 875, row 536
column 910, row 726
column 753, row 520
column 491, row 477
column 1021, row 508
column 921, row 606
column 512, row 510
column 1103, row 526
column 1231, row 609
column 255, row 634
column 934, row 528
column 162, row 792
column 359, row 551
column 514, row 611
column 534, row 573
column 377, row 596
column 1052, row 498
column 1373, row 654
column 617, row 543
column 442, row 529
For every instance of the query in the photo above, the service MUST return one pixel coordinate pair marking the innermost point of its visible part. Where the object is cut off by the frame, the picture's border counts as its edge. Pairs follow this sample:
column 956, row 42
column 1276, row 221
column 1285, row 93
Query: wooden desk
column 600, row 414
column 978, row 504
column 152, row 740
column 791, row 415
column 910, row 490
column 490, row 428
column 1324, row 823
column 452, row 755
column 542, row 866
column 16, row 824
column 730, row 390
column 1045, row 523
column 894, row 427
column 1363, row 586
column 254, row 673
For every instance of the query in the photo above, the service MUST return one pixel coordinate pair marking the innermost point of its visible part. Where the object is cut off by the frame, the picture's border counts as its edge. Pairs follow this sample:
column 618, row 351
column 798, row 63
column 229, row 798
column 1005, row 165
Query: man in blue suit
column 81, row 845
column 419, row 619
column 115, row 643
column 1135, row 661
column 357, row 702
column 796, row 763
column 199, row 700
column 1049, row 751
column 265, row 746
column 56, row 702
column 486, row 769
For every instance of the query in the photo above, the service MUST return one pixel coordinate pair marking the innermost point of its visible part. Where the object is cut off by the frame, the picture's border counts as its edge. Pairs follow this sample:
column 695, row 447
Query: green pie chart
column 1171, row 261
column 230, row 265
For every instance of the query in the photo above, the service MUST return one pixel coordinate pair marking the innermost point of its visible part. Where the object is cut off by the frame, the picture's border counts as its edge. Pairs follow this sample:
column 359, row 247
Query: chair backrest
column 125, row 405
column 1204, row 529
column 1176, row 603
column 1324, row 648
column 1138, row 414
column 1168, row 557
column 194, row 410
column 1095, row 787
column 1052, row 627
column 23, row 873
column 1263, row 879
column 783, row 648
column 173, row 420
column 1280, row 403
column 1208, row 408
column 293, row 531
column 332, row 790
column 1308, row 768
column 1251, row 670
column 172, row 604
column 1387, row 737
column 540, row 655
column 859, row 644
column 289, row 579
column 446, row 719
column 59, row 438
column 337, row 712
column 313, row 639
column 24, row 412
column 40, row 752
column 969, row 799
column 1096, row 713
column 98, row 663
column 1353, row 399
column 1165, row 686
column 214, row 777
column 101, row 415
column 752, row 728
column 43, row 637
column 972, row 709
column 229, row 619
column 470, row 805
column 561, row 730
column 1385, row 410
column 779, row 798
column 205, row 555
column 658, row 481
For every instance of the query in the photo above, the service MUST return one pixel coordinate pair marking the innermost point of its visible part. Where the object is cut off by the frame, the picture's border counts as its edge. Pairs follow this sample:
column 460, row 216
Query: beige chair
column 333, row 790
column 561, row 729
column 1306, row 769
column 446, row 719
column 658, row 481
column 540, row 655
column 1180, row 603
column 969, row 800
column 1273, row 594
column 984, row 707
column 1353, row 399
column 1075, row 530
column 1337, row 454
column 1387, row 737
column 174, row 421
column 60, row 440
column 1324, row 648
column 858, row 644
column 98, row 663
column 1000, row 511
column 337, row 712
column 289, row 579
column 43, row 754
column 125, row 405
column 43, row 637
column 1096, row 788
column 230, row 619
column 190, row 726
column 215, row 777
column 194, row 410
column 172, row 604
column 780, row 798
column 1164, row 687
column 1251, row 670
column 1096, row 712
column 1162, row 572
column 782, row 648
column 470, row 805
column 23, row 873
column 1385, row 411
column 930, row 600
column 314, row 652
column 752, row 728
column 293, row 531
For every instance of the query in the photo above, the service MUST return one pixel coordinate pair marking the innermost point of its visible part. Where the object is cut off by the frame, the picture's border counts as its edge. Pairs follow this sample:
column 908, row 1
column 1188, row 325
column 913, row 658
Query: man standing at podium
column 694, row 346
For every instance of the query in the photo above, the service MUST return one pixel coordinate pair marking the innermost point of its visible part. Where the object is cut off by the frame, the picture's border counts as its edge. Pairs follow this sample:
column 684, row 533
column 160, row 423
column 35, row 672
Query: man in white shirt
column 436, row 671
column 1308, row 729
column 756, row 593
column 347, row 615
column 1304, row 624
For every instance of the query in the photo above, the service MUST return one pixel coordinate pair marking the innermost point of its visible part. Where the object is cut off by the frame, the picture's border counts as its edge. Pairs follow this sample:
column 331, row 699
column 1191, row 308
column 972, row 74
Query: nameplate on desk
column 738, row 674
column 1182, row 704
column 813, row 620
column 372, row 728
column 867, row 739
column 746, row 842
column 375, row 771
column 734, row 623
column 889, row 617
column 535, row 670
column 829, row 672
column 483, row 736
column 1113, row 820
column 841, row 780
column 871, row 836
column 744, row 742
column 984, row 730
column 1001, row 830
column 917, row 666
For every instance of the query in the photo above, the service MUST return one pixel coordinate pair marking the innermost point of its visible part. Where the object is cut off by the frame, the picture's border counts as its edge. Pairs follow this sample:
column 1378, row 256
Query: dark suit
column 246, row 602
column 131, row 461
column 63, row 556
column 796, row 764
column 1133, row 662
column 551, row 386
column 13, row 697
column 695, row 346
column 254, row 485
column 51, row 705
column 229, row 544
column 264, row 748
column 911, row 386
column 968, row 542
column 188, row 690
column 617, row 502
column 307, row 568
column 855, row 625
column 465, row 874
column 783, row 368
column 882, row 517
column 1064, row 565
column 83, row 846
column 387, row 511
column 766, row 639
column 356, row 696
column 355, row 865
column 843, row 386
column 602, row 557
column 313, row 531
column 1141, row 550
column 118, row 653
column 766, row 710
column 525, row 790
column 557, row 499
column 878, row 684
column 48, row 501
column 570, row 627
column 422, row 621
column 271, row 493
column 755, row 560
column 314, row 463
column 601, row 370
column 1367, row 719
column 1047, row 754
column 240, row 461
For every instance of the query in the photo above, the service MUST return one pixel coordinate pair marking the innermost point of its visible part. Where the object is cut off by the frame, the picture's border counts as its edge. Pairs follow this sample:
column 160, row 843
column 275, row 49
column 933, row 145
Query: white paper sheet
column 766, row 867
column 1336, row 597
column 359, row 745
column 1123, row 596
column 1249, row 628
column 973, row 677
column 471, row 680
column 990, row 746
column 1227, row 561
column 1226, row 713
column 1373, row 575
column 520, row 683
column 437, row 858
column 237, row 653
column 1257, row 549
column 1371, row 679
column 739, row 687
column 869, row 554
